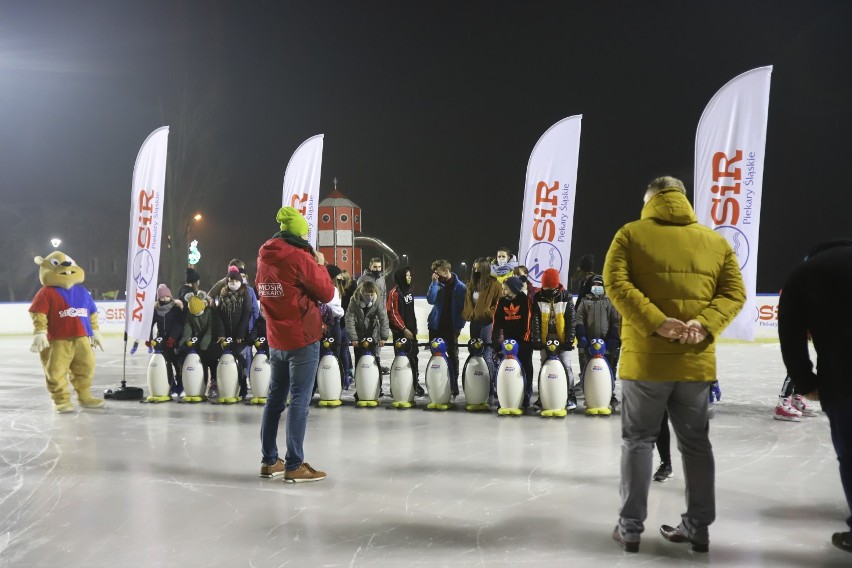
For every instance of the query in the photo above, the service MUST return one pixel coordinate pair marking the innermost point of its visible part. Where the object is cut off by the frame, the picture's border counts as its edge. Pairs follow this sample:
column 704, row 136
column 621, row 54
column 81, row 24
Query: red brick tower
column 338, row 225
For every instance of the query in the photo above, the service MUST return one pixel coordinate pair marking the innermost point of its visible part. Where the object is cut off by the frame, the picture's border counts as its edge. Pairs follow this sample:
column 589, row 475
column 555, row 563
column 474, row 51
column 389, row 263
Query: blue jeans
column 483, row 331
column 293, row 373
column 840, row 420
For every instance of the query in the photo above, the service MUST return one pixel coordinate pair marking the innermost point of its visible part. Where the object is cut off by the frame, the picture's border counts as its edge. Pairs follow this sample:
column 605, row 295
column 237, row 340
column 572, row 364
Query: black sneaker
column 842, row 540
column 613, row 403
column 537, row 403
column 419, row 391
column 663, row 473
column 572, row 401
column 386, row 370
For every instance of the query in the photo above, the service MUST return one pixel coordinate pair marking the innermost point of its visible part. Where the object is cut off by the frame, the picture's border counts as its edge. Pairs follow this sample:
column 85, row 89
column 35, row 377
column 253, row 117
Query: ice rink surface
column 143, row 485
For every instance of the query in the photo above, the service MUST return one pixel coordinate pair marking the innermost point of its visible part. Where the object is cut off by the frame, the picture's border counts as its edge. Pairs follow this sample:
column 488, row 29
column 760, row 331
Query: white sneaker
column 784, row 411
column 802, row 405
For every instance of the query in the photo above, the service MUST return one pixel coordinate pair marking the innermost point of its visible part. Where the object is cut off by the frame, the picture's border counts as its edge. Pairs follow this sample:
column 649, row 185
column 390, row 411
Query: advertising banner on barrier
column 302, row 181
column 146, row 226
column 730, row 147
column 549, row 192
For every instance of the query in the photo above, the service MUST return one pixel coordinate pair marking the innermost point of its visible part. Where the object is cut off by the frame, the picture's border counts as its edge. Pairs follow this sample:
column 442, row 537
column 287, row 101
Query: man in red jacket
column 290, row 282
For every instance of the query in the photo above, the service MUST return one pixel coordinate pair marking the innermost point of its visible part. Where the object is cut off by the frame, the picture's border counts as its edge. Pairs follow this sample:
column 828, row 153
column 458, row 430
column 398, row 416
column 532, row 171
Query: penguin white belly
column 476, row 383
column 510, row 387
column 597, row 386
column 402, row 382
column 328, row 379
column 227, row 377
column 438, row 383
column 158, row 379
column 193, row 378
column 368, row 381
column 553, row 388
column 261, row 372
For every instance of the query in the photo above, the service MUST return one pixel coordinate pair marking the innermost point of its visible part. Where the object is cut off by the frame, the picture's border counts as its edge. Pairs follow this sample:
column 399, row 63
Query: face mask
column 597, row 290
column 502, row 261
column 376, row 273
column 165, row 302
column 367, row 302
column 234, row 285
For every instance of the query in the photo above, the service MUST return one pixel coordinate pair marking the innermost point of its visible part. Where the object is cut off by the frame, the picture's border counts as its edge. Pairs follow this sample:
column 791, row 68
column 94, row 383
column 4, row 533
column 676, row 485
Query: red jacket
column 289, row 284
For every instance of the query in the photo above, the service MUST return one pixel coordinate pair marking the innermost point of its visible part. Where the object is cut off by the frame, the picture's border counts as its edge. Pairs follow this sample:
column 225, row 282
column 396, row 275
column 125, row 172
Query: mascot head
column 58, row 269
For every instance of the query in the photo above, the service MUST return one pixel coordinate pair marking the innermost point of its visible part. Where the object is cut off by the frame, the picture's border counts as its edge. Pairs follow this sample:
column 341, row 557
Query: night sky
column 429, row 109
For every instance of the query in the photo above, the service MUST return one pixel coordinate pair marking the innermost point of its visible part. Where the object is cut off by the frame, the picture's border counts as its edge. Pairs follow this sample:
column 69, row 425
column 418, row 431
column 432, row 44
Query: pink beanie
column 163, row 291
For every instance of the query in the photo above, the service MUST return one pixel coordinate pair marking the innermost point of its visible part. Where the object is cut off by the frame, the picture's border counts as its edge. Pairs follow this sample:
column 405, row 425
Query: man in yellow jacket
column 677, row 285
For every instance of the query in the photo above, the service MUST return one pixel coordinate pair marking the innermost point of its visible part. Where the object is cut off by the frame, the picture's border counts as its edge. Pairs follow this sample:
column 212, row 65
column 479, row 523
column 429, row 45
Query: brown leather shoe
column 270, row 471
column 626, row 545
column 672, row 534
column 304, row 473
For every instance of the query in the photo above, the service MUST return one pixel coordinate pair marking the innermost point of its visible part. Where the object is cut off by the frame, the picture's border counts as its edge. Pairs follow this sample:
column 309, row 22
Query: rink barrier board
column 15, row 318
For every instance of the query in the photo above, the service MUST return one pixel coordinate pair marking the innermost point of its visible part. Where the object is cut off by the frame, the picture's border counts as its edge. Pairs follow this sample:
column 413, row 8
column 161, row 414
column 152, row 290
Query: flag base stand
column 124, row 392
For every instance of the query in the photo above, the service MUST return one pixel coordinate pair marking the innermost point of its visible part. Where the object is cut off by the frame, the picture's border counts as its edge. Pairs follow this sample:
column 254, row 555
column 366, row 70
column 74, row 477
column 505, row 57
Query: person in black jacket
column 553, row 318
column 403, row 320
column 168, row 321
column 232, row 315
column 512, row 321
column 826, row 271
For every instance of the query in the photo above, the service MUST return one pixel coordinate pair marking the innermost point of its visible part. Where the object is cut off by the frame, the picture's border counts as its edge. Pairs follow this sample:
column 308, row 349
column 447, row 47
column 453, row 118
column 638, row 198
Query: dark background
column 429, row 109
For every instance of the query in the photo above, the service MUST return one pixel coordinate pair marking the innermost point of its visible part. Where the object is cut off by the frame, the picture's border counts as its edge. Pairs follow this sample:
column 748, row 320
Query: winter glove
column 715, row 391
column 40, row 342
column 97, row 340
column 583, row 342
column 170, row 342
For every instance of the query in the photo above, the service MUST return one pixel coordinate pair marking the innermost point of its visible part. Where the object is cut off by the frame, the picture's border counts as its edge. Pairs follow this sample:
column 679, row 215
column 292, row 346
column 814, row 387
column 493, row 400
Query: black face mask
column 165, row 302
column 376, row 273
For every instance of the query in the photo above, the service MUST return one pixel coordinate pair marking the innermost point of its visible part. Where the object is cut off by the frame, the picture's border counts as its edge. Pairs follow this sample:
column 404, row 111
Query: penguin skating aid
column 553, row 382
column 510, row 381
column 597, row 380
column 228, row 374
column 402, row 375
column 193, row 374
column 476, row 377
column 328, row 376
column 158, row 378
column 438, row 376
column 261, row 372
column 368, row 376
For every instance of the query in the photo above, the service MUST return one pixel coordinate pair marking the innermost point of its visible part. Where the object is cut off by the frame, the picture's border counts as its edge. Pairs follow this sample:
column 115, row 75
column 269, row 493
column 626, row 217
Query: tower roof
column 337, row 199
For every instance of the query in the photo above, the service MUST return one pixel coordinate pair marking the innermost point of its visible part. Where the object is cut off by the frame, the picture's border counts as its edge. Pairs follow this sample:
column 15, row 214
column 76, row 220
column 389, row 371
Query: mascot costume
column 65, row 321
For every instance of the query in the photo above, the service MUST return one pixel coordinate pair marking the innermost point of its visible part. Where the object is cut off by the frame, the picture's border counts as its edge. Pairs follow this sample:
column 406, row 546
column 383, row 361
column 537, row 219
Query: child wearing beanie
column 553, row 318
column 597, row 318
column 168, row 324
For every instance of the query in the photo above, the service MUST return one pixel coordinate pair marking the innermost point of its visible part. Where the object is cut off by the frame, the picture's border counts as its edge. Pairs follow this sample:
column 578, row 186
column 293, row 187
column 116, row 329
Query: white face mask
column 234, row 285
column 501, row 261
column 367, row 301
column 597, row 290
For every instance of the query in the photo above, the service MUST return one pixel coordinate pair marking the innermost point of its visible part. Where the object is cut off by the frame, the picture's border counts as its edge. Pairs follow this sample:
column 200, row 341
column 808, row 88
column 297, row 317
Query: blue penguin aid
column 510, row 381
column 193, row 374
column 402, row 375
column 597, row 380
column 553, row 382
column 328, row 375
column 260, row 373
column 438, row 376
column 476, row 378
column 158, row 378
column 368, row 376
column 228, row 374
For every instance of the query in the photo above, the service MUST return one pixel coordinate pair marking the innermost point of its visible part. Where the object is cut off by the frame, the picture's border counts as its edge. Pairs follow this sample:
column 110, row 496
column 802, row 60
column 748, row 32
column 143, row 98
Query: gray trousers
column 641, row 415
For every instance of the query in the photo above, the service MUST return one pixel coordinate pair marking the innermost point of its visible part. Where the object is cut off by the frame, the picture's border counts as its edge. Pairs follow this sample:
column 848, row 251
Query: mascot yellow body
column 65, row 321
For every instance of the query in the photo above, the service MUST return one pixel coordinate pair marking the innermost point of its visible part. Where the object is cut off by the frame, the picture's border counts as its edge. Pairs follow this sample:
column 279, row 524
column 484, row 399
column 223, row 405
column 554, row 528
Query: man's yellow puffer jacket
column 668, row 265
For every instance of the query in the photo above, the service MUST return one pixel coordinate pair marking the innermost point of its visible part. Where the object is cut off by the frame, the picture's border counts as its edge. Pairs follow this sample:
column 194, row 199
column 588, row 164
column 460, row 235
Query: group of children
column 499, row 301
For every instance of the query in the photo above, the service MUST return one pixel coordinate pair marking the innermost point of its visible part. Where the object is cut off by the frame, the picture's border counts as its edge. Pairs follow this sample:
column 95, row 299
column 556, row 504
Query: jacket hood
column 399, row 278
column 276, row 249
column 670, row 206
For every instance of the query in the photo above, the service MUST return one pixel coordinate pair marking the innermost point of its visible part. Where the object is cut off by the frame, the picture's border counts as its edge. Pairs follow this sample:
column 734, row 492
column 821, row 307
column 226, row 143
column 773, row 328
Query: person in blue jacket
column 446, row 296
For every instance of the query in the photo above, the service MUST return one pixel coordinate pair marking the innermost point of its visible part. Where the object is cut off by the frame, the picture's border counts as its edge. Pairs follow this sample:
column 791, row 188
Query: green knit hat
column 292, row 221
